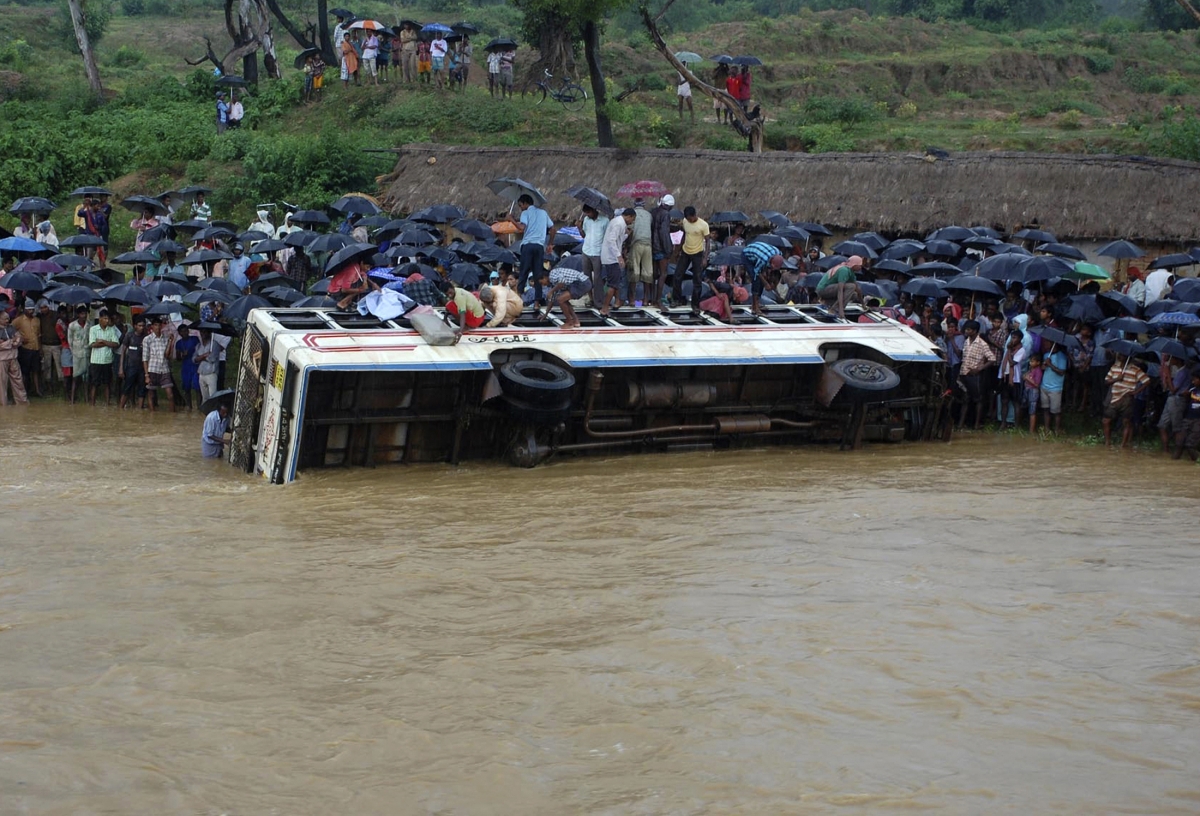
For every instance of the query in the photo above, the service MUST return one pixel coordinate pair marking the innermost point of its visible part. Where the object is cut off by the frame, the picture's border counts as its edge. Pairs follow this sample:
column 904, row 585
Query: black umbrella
column 273, row 279
column 330, row 242
column 68, row 261
column 1112, row 303
column 354, row 204
column 250, row 236
column 476, row 229
column 729, row 217
column 942, row 248
column 746, row 59
column 1045, row 267
column 204, row 256
column 590, row 197
column 1170, row 347
column 811, row 280
column 416, row 238
column 937, row 269
column 91, row 191
column 465, row 28
column 1172, row 261
column 1082, row 308
column 300, row 238
column 82, row 240
column 73, row 295
column 872, row 239
column 1062, row 251
column 269, row 245
column 467, row 275
column 215, row 328
column 139, row 203
column 303, row 56
column 498, row 255
column 1031, row 234
column 164, row 308
column 1010, row 249
column 191, row 225
column 722, row 59
column 830, row 261
column 440, row 254
column 858, row 248
column 348, row 253
column 1187, row 289
column 500, row 43
column 812, row 228
column 77, row 277
column 951, row 233
column 164, row 288
column 188, row 193
column 1126, row 348
column 793, row 233
column 777, row 241
column 315, row 302
column 216, row 399
column 1121, row 249
column 39, row 266
column 776, row 219
column 309, row 217
column 510, row 189
column 320, row 287
column 1055, row 336
column 141, row 256
column 1002, row 267
column 224, row 285
column 1126, row 324
column 208, row 296
column 890, row 265
column 231, row 81
column 981, row 242
column 986, row 231
column 129, row 293
column 23, row 281
column 240, row 309
column 281, row 295
column 374, row 221
column 32, row 204
column 727, row 256
column 902, row 249
column 565, row 240
column 166, row 245
column 925, row 287
column 213, row 233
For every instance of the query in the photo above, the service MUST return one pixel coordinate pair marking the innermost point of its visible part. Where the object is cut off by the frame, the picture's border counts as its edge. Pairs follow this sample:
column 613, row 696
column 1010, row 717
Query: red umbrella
column 644, row 189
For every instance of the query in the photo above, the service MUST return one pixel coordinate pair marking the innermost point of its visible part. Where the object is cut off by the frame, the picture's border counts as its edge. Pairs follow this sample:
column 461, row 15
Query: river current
column 996, row 625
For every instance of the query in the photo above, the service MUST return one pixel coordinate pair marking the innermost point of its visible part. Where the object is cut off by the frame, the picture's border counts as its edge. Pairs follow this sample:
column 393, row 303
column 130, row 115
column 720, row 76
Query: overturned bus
column 321, row 388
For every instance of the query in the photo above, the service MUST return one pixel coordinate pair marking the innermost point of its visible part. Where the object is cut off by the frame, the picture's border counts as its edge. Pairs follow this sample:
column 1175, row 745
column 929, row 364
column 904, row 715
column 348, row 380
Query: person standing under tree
column 493, row 66
column 683, row 91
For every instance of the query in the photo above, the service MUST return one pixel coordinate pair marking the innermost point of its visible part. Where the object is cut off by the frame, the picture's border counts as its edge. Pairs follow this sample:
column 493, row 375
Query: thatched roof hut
column 1078, row 197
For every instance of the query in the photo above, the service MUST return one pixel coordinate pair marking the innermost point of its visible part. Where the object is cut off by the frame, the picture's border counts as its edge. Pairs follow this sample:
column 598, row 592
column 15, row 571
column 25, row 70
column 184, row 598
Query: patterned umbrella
column 645, row 188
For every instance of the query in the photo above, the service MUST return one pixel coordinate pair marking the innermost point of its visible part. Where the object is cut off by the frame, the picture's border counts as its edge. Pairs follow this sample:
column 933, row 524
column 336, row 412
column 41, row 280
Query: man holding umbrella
column 1125, row 381
column 537, row 235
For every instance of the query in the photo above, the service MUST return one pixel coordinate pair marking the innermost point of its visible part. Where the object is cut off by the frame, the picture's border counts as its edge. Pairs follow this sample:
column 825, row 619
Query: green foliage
column 1171, row 83
column 1098, row 62
column 1166, row 15
column 999, row 14
column 463, row 112
column 831, row 109
column 133, row 8
column 1179, row 137
column 127, row 57
column 96, row 16
column 15, row 53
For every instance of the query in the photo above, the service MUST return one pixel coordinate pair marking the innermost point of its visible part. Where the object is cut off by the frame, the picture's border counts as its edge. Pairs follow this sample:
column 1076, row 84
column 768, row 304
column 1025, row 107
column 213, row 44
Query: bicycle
column 568, row 94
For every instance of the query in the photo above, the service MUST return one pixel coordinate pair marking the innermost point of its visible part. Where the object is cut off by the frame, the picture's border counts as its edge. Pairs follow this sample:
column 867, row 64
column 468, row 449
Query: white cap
column 669, row 200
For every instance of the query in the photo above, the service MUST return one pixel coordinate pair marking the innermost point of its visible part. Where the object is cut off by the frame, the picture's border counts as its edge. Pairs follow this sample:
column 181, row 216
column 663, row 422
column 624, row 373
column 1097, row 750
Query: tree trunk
column 591, row 50
column 555, row 48
column 326, row 44
column 85, row 48
column 1190, row 9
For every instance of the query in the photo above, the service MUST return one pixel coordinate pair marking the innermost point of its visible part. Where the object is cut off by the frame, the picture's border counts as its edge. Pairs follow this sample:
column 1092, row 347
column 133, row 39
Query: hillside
column 834, row 81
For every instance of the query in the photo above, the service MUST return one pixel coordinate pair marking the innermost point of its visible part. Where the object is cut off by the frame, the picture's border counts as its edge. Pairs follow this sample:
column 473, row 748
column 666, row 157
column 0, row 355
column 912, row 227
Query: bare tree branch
column 1190, row 9
column 664, row 10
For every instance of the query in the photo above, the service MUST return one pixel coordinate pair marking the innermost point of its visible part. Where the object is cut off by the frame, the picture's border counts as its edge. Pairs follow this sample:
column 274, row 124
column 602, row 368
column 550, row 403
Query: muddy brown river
column 994, row 626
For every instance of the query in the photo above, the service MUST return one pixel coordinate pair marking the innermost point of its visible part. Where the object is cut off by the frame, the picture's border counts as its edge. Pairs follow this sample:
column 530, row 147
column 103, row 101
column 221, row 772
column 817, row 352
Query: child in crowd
column 424, row 62
column 1189, row 440
column 1033, row 388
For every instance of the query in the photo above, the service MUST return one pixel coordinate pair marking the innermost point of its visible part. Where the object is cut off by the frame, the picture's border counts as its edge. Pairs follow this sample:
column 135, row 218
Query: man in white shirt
column 1158, row 284
column 592, row 225
column 437, row 53
column 612, row 257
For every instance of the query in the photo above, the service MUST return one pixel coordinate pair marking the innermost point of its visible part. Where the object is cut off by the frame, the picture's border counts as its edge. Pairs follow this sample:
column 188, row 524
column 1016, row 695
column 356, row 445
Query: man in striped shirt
column 565, row 285
column 1126, row 380
column 762, row 259
column 156, row 350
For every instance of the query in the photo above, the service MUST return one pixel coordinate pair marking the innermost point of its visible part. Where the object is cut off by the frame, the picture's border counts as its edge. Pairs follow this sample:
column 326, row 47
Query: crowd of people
column 1023, row 347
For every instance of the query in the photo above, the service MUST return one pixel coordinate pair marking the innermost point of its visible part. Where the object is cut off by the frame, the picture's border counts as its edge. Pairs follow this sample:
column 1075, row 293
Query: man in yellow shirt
column 693, row 255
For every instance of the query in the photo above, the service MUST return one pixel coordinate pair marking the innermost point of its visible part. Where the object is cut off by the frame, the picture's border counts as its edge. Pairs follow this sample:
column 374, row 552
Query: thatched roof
column 1078, row 197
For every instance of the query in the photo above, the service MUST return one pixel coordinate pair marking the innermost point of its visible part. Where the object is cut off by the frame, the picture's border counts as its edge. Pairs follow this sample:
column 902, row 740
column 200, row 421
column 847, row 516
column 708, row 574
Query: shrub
column 126, row 57
column 726, row 141
column 823, row 110
column 133, row 8
column 1098, row 62
column 1071, row 120
column 1179, row 137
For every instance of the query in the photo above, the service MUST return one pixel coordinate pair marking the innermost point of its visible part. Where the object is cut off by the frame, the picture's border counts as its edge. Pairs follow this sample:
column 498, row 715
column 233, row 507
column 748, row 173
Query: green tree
column 1166, row 15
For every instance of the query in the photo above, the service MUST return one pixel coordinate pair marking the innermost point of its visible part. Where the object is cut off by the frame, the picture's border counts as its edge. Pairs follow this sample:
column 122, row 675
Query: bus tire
column 535, row 381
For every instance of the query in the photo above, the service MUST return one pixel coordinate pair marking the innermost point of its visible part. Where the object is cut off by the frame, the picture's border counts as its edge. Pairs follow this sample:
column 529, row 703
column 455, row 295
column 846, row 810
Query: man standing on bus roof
column 761, row 258
column 537, row 234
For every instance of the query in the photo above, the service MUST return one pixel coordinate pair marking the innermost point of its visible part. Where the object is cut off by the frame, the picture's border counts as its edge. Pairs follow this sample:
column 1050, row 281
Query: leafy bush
column 126, row 57
column 15, row 52
column 96, row 16
column 824, row 110
column 1179, row 137
column 725, row 141
column 459, row 113
column 1098, row 62
column 133, row 8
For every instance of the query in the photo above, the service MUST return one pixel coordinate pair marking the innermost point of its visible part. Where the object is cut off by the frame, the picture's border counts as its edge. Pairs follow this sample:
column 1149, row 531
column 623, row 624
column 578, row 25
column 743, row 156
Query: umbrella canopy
column 938, row 269
column 141, row 256
column 1031, row 234
column 73, row 295
column 986, row 231
column 302, row 57
column 354, row 204
column 591, row 197
column 167, row 245
column 849, row 248
column 830, row 261
column 777, row 241
column 872, row 239
column 76, row 277
column 368, row 25
column 416, row 238
column 191, row 225
column 925, row 287
column 1086, row 271
column 331, row 242
column 1121, row 249
column 215, row 400
column 1171, row 347
column 212, row 233
column 209, row 296
column 91, row 191
column 1061, row 250
column 467, row 275
column 981, row 242
column 894, row 266
column 747, row 59
column 300, row 238
column 975, row 285
column 215, row 328
column 1172, row 261
column 189, row 193
column 567, row 240
column 510, row 189
column 464, row 28
column 1002, row 267
column 32, row 204
column 722, row 59
column 1123, row 347
column 813, row 228
column 1080, row 307
column 67, row 261
column 309, row 217
column 1044, row 267
column 440, row 214
column 501, row 44
column 281, row 295
column 250, row 236
column 231, row 81
column 273, row 280
column 23, row 281
column 952, row 233
column 129, row 293
column 38, row 266
column 1126, row 324
column 1055, row 336
column 1175, row 319
column 475, row 229
column 903, row 249
column 269, row 245
column 20, row 245
column 82, row 240
column 1187, row 289
column 942, row 248
column 164, row 288
column 775, row 219
column 1112, row 303
column 645, row 188
column 727, row 256
column 240, row 309
column 315, row 302
column 729, row 217
column 139, row 203
column 688, row 57
column 793, row 232
column 436, row 28
column 1010, row 249
column 348, row 253
column 165, row 308
column 203, row 256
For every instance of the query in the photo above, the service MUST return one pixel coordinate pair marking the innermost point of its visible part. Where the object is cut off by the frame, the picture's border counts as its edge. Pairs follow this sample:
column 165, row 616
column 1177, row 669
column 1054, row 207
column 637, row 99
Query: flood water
column 994, row 626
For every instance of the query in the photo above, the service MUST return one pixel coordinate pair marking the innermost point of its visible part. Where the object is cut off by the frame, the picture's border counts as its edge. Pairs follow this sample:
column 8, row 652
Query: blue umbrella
column 1175, row 319
column 1159, row 306
column 1121, row 249
column 436, row 28
column 925, row 287
column 16, row 244
column 1187, row 289
column 1126, row 348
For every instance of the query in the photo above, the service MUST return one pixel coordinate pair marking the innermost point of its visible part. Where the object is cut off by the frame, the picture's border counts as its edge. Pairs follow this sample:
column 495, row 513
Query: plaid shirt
column 154, row 353
column 976, row 354
column 566, row 276
column 423, row 291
